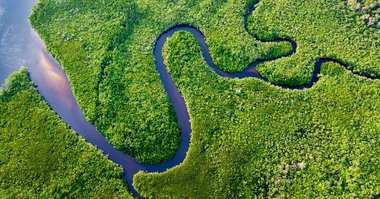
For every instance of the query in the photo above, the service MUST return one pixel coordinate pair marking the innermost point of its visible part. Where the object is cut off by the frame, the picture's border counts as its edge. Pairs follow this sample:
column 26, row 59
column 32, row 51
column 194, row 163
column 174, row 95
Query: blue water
column 16, row 46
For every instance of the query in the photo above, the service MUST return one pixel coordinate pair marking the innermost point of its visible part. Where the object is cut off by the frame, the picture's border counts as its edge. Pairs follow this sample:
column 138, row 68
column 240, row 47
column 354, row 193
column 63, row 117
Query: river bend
column 55, row 88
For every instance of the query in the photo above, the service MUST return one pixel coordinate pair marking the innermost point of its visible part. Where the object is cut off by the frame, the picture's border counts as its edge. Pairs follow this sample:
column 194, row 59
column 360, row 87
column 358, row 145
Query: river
column 21, row 46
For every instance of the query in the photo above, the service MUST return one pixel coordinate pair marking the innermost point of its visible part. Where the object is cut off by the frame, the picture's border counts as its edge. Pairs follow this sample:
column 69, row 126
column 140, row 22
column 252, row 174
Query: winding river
column 55, row 88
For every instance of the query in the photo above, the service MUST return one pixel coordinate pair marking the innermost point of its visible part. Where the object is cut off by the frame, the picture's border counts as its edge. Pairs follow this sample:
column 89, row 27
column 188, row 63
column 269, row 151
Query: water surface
column 21, row 46
column 16, row 46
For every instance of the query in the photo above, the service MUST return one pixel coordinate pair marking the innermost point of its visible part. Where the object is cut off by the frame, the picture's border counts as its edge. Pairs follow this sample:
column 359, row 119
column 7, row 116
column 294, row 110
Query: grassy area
column 40, row 157
column 321, row 29
column 252, row 139
column 106, row 48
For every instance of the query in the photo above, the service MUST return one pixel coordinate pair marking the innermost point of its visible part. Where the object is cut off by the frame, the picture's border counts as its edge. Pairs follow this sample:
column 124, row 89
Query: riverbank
column 251, row 138
column 41, row 157
column 106, row 52
column 245, row 141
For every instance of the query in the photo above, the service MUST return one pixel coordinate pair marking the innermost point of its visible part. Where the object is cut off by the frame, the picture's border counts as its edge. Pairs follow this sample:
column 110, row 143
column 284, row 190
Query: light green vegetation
column 40, row 157
column 106, row 49
column 249, row 138
column 369, row 11
column 252, row 139
column 321, row 28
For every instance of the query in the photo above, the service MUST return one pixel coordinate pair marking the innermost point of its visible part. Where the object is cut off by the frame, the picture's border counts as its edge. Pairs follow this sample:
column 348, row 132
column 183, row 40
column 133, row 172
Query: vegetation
column 249, row 138
column 369, row 11
column 40, row 157
column 105, row 48
column 321, row 29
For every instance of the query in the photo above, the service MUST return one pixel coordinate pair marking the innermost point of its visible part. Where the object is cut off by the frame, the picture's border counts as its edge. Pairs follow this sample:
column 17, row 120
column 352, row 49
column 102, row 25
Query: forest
column 250, row 138
column 41, row 157
column 369, row 11
column 253, row 139
column 106, row 49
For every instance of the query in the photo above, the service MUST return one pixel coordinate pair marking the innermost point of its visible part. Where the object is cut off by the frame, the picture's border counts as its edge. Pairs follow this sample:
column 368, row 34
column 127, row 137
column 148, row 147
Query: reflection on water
column 55, row 88
column 52, row 77
column 48, row 74
column 16, row 47
column 20, row 45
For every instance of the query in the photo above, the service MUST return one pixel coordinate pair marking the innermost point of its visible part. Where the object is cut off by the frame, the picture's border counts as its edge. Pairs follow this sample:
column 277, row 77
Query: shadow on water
column 54, row 86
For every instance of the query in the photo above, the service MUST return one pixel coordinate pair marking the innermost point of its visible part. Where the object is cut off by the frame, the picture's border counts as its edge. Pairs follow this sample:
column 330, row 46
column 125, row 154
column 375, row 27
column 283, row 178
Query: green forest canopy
column 40, row 157
column 106, row 49
column 249, row 137
column 369, row 11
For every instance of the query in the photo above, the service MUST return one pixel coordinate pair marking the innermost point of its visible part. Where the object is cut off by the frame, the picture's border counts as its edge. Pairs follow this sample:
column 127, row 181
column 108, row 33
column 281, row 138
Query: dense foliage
column 249, row 138
column 40, row 157
column 324, row 28
column 105, row 48
column 369, row 11
column 252, row 139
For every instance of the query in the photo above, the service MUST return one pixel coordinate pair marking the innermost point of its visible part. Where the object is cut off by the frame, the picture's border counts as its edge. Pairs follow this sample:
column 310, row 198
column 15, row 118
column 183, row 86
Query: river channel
column 21, row 46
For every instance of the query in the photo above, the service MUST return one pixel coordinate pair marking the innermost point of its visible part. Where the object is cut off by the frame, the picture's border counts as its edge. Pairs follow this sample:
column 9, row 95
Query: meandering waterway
column 20, row 46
